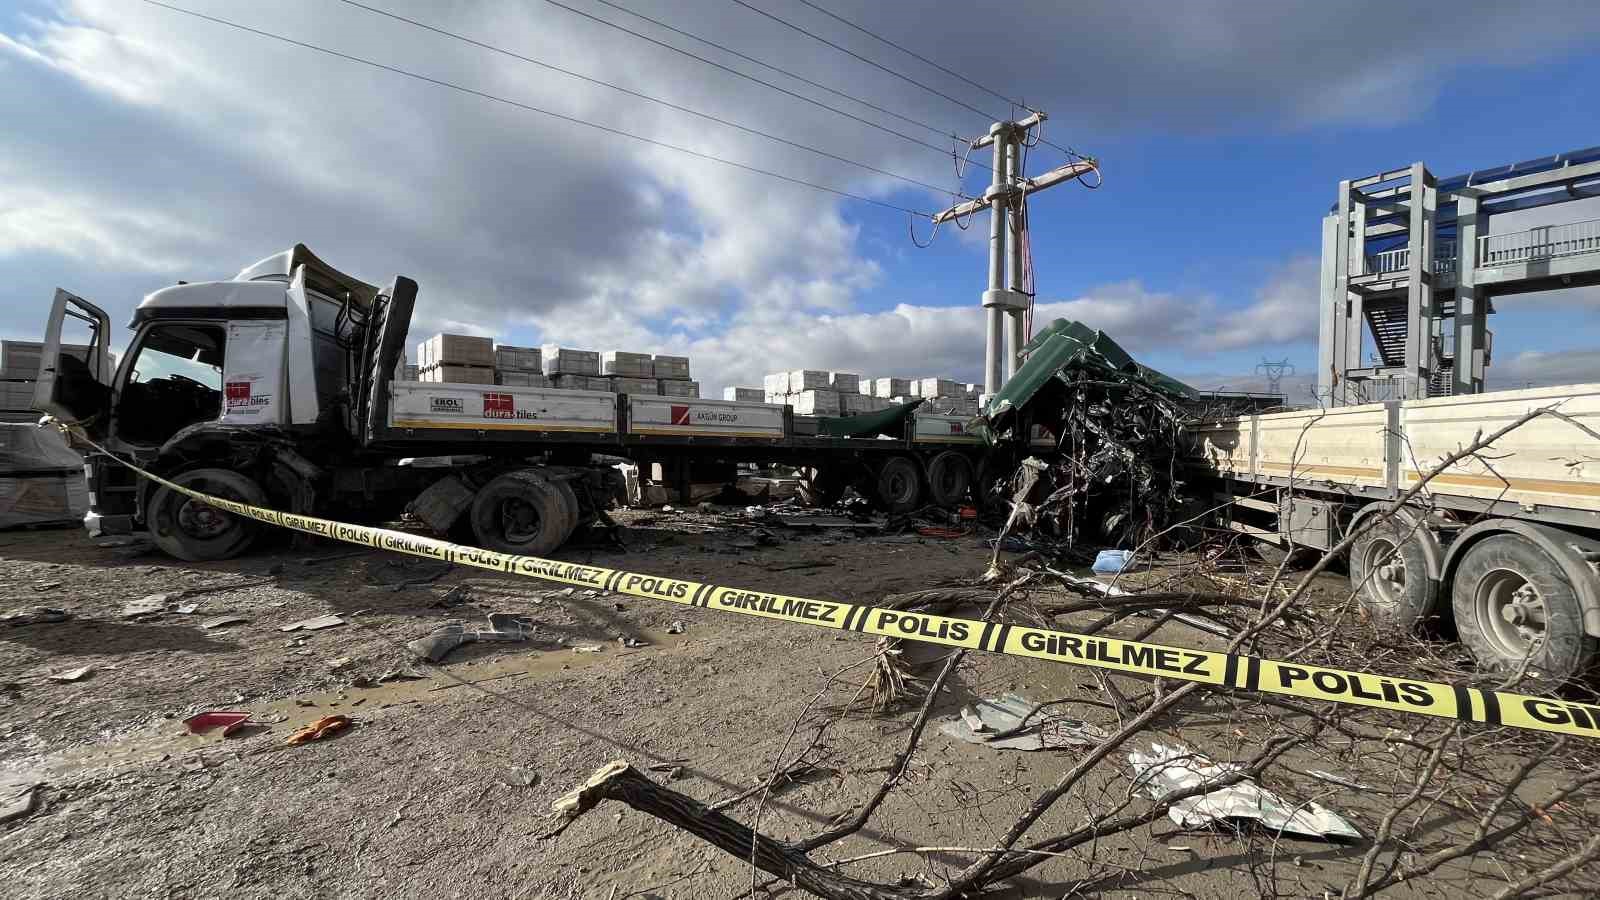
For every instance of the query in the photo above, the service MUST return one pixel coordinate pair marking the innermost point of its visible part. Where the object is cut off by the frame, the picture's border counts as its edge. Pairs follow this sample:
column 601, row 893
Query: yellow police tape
column 1248, row 673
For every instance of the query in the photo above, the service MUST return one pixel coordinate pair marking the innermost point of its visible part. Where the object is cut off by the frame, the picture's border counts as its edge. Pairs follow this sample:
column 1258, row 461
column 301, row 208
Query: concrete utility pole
column 1004, row 303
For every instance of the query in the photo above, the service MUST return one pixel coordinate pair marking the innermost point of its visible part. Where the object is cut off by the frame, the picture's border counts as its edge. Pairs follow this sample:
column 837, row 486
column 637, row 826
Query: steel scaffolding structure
column 1410, row 267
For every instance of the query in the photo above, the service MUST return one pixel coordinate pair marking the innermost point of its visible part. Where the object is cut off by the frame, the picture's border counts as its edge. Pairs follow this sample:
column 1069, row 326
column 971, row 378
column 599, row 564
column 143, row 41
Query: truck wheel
column 1513, row 603
column 949, row 478
column 900, row 485
column 819, row 487
column 521, row 512
column 196, row 532
column 1389, row 573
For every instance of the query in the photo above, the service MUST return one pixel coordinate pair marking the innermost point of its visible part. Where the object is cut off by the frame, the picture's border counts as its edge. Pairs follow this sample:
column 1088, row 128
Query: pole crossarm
column 1028, row 186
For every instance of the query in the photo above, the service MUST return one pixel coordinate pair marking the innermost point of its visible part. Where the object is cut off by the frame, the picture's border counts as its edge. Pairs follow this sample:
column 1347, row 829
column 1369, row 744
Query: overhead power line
column 642, row 96
column 781, row 71
column 942, row 151
column 876, row 65
column 530, row 108
column 914, row 54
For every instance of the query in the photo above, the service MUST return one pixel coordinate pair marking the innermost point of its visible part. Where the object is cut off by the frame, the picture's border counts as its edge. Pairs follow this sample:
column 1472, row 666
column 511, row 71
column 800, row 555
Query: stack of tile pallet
column 813, row 392
column 944, row 395
column 456, row 359
column 519, row 366
column 672, row 376
column 19, row 367
column 744, row 394
column 629, row 373
column 573, row 370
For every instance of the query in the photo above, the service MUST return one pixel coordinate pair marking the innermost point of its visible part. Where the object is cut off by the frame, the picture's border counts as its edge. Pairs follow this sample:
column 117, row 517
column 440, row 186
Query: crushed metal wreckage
column 1115, row 478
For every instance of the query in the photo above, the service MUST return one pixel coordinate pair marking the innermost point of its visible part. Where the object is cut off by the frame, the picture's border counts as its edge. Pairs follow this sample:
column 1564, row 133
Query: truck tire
column 819, row 487
column 1389, row 573
column 195, row 532
column 1511, row 599
column 900, row 485
column 522, row 512
column 949, row 478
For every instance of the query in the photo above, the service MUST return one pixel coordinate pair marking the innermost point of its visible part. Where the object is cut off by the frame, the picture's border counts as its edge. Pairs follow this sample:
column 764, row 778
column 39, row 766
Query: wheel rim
column 201, row 521
column 1386, row 570
column 1511, row 613
column 519, row 520
column 900, row 487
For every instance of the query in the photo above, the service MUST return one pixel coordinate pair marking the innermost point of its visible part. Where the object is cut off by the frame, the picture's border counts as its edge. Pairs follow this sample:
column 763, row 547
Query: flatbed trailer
column 277, row 387
column 1504, row 544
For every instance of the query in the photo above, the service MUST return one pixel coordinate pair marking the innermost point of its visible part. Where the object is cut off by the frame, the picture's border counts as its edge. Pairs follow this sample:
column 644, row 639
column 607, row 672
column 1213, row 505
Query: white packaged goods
column 41, row 478
column 854, row 404
column 621, row 385
column 844, row 382
column 974, row 391
column 628, row 365
column 409, row 373
column 521, row 379
column 744, row 395
column 253, row 374
column 16, row 396
column 19, row 360
column 938, row 387
column 671, row 367
column 673, row 388
column 517, row 359
column 580, row 383
column 456, row 375
column 891, row 387
column 816, row 402
column 775, row 384
column 807, row 380
column 566, row 361
column 456, row 350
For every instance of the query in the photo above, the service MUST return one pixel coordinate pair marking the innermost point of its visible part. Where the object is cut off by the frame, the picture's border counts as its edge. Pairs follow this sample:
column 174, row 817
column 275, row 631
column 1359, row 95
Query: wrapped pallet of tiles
column 41, row 478
column 891, row 387
column 441, row 373
column 853, row 404
column 508, row 358
column 844, row 382
column 567, row 361
column 456, row 359
column 619, row 384
column 938, row 387
column 776, row 386
column 808, row 380
column 580, row 383
column 671, row 368
column 627, row 365
column 520, row 379
column 816, row 402
column 744, row 394
column 672, row 387
column 20, row 360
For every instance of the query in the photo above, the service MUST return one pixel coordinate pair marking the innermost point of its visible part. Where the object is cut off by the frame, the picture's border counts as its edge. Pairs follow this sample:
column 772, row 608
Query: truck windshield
column 175, row 381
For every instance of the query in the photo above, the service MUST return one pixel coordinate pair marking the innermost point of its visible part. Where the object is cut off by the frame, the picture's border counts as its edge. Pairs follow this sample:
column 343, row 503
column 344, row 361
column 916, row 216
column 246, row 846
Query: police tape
column 1223, row 670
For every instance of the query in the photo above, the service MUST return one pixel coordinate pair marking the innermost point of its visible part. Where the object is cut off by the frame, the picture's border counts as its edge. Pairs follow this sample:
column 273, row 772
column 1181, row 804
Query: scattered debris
column 586, row 648
column 675, row 627
column 1000, row 723
column 456, row 596
column 502, row 627
column 230, row 721
column 35, row 615
column 72, row 675
column 316, row 623
column 321, row 728
column 398, row 674
column 1340, row 780
column 19, row 802
column 1166, row 769
column 222, row 621
column 146, row 606
column 631, row 642
column 340, row 664
column 188, row 608
column 1110, row 562
column 520, row 777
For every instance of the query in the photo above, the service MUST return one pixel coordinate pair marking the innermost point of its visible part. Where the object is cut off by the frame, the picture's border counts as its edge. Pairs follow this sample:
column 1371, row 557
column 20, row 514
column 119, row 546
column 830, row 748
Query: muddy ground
column 442, row 786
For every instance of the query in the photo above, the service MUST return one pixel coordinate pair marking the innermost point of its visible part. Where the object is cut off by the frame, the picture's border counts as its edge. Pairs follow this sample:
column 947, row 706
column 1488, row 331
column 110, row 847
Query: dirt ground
column 443, row 784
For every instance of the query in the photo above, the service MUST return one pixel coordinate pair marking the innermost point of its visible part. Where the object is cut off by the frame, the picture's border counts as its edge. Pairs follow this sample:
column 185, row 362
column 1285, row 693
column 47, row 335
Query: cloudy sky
column 144, row 146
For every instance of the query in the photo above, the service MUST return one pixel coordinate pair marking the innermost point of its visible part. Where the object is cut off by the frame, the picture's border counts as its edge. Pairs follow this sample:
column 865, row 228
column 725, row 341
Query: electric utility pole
column 1004, row 303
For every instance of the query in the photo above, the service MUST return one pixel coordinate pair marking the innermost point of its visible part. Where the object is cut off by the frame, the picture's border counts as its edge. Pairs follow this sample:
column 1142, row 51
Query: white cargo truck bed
column 1385, row 448
column 480, row 407
column 690, row 416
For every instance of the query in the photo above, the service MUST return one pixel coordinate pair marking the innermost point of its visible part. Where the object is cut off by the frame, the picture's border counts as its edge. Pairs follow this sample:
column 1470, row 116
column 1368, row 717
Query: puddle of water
column 170, row 739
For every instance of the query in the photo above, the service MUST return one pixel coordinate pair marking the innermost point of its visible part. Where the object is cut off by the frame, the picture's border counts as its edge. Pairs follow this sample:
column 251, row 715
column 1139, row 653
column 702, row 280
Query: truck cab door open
column 71, row 387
